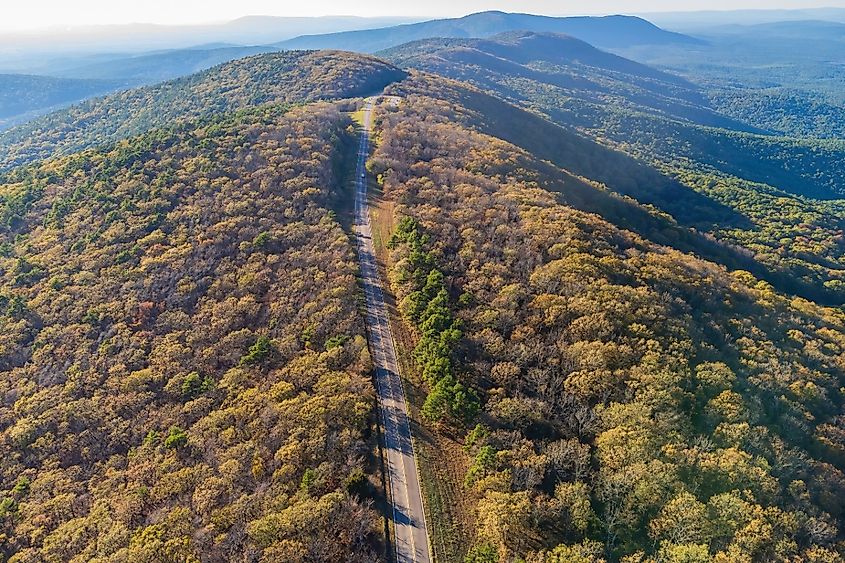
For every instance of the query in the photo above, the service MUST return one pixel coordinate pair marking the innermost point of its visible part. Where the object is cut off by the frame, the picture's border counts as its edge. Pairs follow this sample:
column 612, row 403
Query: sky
column 20, row 15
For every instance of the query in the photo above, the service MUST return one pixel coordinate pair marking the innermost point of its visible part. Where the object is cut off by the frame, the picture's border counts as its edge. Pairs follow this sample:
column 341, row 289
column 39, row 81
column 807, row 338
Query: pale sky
column 31, row 14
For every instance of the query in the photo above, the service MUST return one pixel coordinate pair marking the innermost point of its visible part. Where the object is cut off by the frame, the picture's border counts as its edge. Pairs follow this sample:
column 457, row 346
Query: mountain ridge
column 605, row 31
column 290, row 77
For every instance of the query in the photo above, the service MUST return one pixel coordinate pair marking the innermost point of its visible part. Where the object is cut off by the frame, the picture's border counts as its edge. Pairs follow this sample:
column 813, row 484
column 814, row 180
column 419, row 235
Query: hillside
column 292, row 77
column 633, row 105
column 782, row 110
column 785, row 75
column 637, row 401
column 161, row 66
column 183, row 365
column 508, row 63
column 609, row 31
column 671, row 149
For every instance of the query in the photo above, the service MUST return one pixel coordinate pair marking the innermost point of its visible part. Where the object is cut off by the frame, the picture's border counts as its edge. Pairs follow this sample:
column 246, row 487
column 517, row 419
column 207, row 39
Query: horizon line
column 410, row 19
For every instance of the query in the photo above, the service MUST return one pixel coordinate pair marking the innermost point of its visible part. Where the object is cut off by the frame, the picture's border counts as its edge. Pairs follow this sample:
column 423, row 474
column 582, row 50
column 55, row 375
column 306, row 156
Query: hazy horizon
column 47, row 14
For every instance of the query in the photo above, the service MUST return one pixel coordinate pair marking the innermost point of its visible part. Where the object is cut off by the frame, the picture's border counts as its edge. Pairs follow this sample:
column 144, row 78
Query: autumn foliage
column 639, row 403
column 183, row 368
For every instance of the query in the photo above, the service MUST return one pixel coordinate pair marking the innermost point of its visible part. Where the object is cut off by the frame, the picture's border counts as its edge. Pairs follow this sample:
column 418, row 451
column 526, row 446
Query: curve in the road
column 410, row 531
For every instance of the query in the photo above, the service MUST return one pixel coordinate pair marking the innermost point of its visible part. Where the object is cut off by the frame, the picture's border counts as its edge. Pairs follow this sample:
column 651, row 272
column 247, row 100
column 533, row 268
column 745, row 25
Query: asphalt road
column 410, row 533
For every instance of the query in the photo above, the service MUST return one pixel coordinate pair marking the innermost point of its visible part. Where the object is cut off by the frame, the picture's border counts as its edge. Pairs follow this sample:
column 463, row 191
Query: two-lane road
column 410, row 533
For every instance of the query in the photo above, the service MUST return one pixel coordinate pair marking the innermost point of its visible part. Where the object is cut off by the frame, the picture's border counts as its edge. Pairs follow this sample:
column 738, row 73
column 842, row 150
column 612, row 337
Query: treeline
column 639, row 404
column 183, row 369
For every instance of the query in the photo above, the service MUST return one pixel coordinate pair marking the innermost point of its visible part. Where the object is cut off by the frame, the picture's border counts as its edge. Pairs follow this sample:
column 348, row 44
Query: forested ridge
column 638, row 403
column 183, row 368
column 291, row 77
column 686, row 159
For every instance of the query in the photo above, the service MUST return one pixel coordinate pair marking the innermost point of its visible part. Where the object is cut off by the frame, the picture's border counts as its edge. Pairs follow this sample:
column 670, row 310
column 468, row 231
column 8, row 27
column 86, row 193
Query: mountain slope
column 161, row 66
column 637, row 401
column 579, row 69
column 752, row 191
column 20, row 93
column 183, row 363
column 280, row 77
column 524, row 47
column 652, row 112
column 24, row 95
column 609, row 31
column 783, row 110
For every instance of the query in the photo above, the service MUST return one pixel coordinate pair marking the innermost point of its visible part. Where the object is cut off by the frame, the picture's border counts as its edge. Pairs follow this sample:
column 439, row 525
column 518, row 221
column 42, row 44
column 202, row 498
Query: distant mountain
column 57, row 51
column 607, row 32
column 164, row 65
column 689, row 22
column 24, row 96
column 815, row 29
column 590, row 77
column 525, row 47
column 631, row 104
column 250, row 30
column 784, row 76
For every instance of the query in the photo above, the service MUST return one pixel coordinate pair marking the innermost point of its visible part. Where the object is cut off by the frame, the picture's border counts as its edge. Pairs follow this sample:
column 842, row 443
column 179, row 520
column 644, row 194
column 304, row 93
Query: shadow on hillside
column 625, row 176
column 584, row 157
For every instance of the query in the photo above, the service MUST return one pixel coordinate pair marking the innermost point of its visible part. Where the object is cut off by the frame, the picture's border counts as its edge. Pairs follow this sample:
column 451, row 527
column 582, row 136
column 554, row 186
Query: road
column 410, row 532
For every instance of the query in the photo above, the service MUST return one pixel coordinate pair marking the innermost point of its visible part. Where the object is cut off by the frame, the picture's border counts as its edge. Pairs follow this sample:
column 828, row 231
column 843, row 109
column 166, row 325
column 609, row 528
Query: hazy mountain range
column 249, row 30
column 607, row 32
column 692, row 22
column 95, row 54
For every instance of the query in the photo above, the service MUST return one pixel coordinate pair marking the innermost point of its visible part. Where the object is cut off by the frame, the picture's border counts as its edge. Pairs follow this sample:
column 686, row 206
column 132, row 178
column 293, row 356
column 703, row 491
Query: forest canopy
column 639, row 403
column 618, row 299
column 183, row 369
